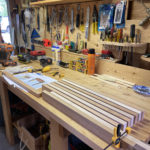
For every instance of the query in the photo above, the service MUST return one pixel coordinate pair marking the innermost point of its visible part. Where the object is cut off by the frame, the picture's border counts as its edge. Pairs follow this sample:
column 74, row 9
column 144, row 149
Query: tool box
column 33, row 131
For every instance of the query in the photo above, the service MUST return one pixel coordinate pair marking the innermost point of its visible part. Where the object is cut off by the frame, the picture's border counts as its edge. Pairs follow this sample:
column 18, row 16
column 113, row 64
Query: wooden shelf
column 139, row 48
column 124, row 44
column 56, row 2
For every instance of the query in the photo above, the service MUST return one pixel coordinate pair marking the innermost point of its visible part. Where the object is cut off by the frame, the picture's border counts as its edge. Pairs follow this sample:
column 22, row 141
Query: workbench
column 61, row 125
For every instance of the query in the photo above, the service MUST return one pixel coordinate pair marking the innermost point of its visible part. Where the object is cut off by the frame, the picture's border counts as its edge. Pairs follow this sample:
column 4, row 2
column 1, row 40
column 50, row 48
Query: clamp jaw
column 117, row 135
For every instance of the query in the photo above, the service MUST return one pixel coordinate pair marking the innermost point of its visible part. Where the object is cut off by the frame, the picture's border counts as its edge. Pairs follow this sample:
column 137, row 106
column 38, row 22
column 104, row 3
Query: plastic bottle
column 58, row 57
column 53, row 53
column 91, row 62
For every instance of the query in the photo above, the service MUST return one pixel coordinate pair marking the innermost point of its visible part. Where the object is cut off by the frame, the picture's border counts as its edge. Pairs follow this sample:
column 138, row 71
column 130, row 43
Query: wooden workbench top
column 121, row 94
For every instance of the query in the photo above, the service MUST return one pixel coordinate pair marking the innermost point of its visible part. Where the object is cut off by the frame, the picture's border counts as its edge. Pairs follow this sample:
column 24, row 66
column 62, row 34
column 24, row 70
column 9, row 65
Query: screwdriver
column 132, row 32
column 132, row 36
column 45, row 69
column 78, row 17
column 95, row 20
column 82, row 21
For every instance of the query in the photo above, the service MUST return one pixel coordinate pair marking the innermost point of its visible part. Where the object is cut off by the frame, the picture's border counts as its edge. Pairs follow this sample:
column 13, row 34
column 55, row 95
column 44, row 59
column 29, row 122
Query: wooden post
column 58, row 142
column 7, row 113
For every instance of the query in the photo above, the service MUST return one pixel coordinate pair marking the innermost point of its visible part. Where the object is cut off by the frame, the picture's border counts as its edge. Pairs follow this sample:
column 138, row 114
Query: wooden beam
column 102, row 100
column 128, row 73
column 58, row 2
column 57, row 141
column 100, row 111
column 95, row 100
column 96, row 125
column 6, row 112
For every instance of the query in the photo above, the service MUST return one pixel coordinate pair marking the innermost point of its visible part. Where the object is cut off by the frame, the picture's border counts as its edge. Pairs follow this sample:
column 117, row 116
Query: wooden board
column 83, row 119
column 58, row 98
column 64, row 95
column 31, row 90
column 56, row 2
column 128, row 73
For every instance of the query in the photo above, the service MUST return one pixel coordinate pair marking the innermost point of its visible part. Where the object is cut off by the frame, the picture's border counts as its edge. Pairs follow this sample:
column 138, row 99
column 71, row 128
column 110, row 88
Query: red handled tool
column 37, row 53
column 47, row 43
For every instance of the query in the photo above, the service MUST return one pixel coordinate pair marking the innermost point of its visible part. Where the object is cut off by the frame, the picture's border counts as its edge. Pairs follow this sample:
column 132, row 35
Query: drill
column 5, row 53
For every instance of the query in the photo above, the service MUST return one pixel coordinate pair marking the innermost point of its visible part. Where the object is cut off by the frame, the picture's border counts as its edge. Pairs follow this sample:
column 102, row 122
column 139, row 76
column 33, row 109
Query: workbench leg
column 7, row 113
column 59, row 141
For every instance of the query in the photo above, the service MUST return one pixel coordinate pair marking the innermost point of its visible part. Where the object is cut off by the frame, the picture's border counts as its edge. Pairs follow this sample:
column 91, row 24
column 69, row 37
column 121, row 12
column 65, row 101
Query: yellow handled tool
column 43, row 70
column 117, row 136
column 95, row 21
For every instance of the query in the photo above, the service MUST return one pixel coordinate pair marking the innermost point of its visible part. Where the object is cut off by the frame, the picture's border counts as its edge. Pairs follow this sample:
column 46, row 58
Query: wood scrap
column 113, row 81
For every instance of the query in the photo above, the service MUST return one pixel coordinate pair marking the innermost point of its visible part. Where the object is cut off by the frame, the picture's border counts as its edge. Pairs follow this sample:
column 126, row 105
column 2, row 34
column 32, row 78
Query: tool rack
column 136, row 46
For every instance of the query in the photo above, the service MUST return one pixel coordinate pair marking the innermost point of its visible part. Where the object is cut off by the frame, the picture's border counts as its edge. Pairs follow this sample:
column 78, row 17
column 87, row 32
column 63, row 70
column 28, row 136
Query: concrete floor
column 4, row 145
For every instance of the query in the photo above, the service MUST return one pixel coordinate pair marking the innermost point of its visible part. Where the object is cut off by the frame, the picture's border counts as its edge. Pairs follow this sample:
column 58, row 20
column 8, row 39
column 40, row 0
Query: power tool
column 5, row 53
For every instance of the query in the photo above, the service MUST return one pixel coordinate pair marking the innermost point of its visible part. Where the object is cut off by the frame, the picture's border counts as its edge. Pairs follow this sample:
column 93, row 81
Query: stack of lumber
column 98, row 113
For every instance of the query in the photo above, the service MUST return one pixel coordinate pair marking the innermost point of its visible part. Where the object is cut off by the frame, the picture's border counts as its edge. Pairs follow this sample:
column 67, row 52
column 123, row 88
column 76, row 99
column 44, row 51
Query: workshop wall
column 94, row 40
column 134, row 17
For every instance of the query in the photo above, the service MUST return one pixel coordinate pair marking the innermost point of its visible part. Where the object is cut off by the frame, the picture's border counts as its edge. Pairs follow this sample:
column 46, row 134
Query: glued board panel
column 95, row 100
column 77, row 113
column 68, row 97
column 48, row 88
column 140, row 113
column 101, row 111
column 104, row 101
column 77, row 101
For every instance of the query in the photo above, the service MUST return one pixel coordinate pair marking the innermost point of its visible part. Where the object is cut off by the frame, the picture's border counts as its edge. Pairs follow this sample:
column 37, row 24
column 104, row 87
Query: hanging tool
column 72, row 21
column 67, row 25
column 48, row 21
column 82, row 20
column 53, row 16
column 147, row 18
column 87, row 23
column 61, row 13
column 47, row 43
column 78, row 17
column 138, row 36
column 38, row 18
column 127, row 52
column 132, row 36
column 132, row 32
column 95, row 20
column 34, row 34
column 85, row 51
column 58, row 36
column 118, row 136
column 103, row 35
column 24, row 35
column 77, row 41
column 112, row 34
